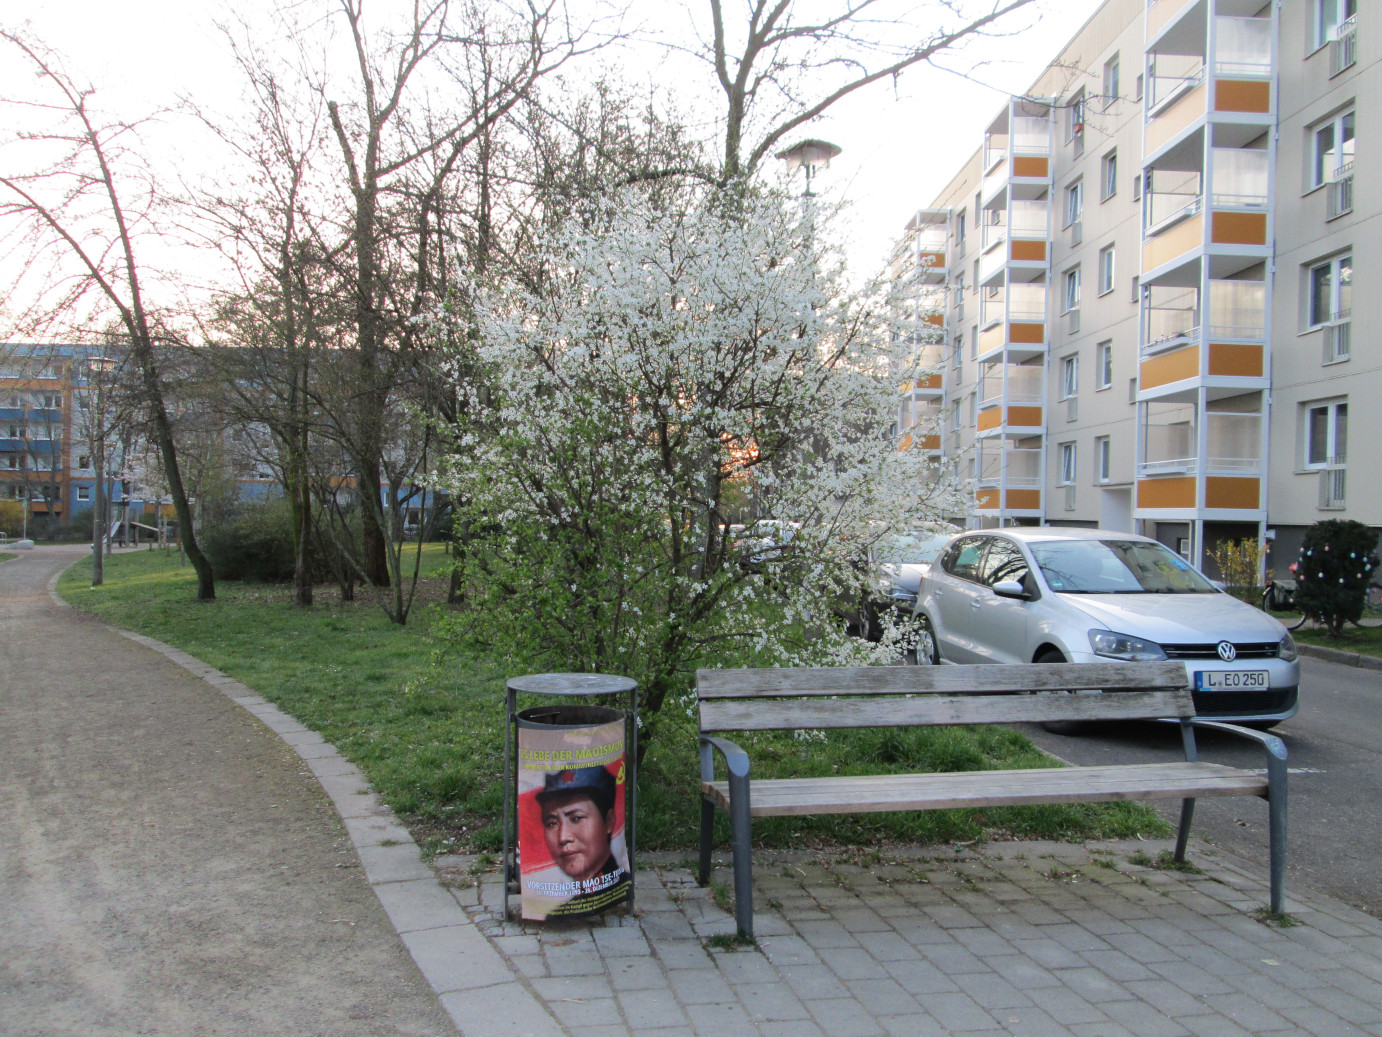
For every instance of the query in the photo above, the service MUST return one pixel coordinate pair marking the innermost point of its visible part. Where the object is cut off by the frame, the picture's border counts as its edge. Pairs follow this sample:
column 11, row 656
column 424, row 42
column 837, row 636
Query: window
column 1326, row 434
column 1111, row 84
column 1332, row 148
column 1331, row 291
column 1329, row 15
column 974, row 342
column 1103, row 455
column 1108, row 182
column 959, row 296
column 84, row 462
column 1069, row 377
column 1137, row 188
column 1106, row 270
column 972, row 407
column 1067, row 464
column 1103, row 365
column 960, row 229
column 1137, row 93
column 1136, row 288
column 955, row 418
column 1003, row 561
column 962, row 559
column 1072, row 290
column 1074, row 117
column 1074, row 202
column 83, row 493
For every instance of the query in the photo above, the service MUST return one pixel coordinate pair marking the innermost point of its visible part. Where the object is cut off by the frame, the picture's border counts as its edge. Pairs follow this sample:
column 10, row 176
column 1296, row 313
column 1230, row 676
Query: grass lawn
column 1363, row 640
column 5, row 556
column 425, row 722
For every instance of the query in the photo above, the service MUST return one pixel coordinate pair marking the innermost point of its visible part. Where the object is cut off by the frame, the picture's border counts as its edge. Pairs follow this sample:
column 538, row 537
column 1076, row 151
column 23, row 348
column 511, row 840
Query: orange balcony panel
column 906, row 387
column 1241, row 494
column 1161, row 13
column 1239, row 228
column 1025, row 417
column 1236, row 360
column 990, row 418
column 986, row 499
column 1176, row 118
column 1031, row 166
column 932, row 260
column 931, row 381
column 1027, row 333
column 936, row 320
column 905, row 443
column 1170, row 367
column 1176, row 492
column 931, row 442
column 1028, row 251
column 990, row 339
column 1242, row 95
column 1177, row 241
column 1024, row 500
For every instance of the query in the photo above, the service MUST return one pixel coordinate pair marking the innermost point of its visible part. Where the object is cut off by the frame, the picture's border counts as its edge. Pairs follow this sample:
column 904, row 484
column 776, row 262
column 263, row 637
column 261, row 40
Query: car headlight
column 1131, row 649
column 1286, row 651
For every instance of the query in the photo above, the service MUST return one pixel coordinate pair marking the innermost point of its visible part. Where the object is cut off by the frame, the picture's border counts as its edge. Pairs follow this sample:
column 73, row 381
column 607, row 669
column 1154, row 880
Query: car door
column 956, row 599
column 1000, row 624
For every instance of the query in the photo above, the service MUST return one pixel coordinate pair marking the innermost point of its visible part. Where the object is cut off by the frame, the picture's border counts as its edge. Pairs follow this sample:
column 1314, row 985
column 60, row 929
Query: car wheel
column 928, row 654
column 1059, row 727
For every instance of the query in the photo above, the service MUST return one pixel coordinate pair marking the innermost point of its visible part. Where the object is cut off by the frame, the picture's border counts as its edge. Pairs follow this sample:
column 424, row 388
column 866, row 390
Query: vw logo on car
column 1226, row 651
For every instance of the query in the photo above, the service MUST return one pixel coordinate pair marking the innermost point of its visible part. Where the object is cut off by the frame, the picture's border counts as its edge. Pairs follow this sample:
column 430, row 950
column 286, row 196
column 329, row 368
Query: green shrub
column 11, row 517
column 254, row 545
column 1338, row 561
column 1239, row 563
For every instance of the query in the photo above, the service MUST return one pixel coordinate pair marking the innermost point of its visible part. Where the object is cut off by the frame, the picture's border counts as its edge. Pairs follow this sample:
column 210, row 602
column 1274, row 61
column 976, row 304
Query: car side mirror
column 1011, row 589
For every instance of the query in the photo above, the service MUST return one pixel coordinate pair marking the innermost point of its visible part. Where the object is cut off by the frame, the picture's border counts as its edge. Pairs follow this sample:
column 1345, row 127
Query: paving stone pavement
column 1023, row 938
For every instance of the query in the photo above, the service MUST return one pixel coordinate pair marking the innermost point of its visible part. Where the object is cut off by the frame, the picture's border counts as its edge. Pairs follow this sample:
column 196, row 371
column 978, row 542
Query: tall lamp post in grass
column 99, row 366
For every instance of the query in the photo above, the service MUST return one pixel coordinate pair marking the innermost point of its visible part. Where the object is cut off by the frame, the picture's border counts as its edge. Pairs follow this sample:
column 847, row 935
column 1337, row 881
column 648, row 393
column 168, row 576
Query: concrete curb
column 1336, row 655
column 458, row 961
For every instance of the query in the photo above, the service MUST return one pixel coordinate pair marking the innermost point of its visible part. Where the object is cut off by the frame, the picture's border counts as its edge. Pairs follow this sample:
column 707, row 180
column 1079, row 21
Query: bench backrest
column 903, row 696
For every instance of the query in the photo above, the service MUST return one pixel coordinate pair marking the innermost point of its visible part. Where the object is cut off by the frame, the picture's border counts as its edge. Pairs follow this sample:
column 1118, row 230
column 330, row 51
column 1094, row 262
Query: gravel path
column 167, row 865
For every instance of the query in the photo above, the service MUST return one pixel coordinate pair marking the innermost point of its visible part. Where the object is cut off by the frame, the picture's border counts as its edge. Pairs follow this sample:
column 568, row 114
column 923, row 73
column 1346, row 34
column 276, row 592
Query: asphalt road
column 1334, row 833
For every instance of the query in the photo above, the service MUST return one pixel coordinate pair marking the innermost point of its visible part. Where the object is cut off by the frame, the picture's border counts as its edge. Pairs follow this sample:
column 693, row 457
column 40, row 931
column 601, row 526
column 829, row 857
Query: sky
column 901, row 142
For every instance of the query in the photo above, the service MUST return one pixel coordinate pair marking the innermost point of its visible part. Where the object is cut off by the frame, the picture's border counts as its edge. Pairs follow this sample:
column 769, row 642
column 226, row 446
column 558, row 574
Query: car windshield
column 1116, row 567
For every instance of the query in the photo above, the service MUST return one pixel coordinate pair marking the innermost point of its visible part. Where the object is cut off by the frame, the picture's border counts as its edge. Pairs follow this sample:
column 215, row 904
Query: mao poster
column 572, row 852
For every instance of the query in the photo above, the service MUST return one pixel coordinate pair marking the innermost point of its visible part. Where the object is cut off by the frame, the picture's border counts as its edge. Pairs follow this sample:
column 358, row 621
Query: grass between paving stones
column 425, row 722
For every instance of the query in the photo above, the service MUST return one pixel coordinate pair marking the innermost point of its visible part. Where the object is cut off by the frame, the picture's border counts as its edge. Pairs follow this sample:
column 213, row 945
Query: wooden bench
column 905, row 696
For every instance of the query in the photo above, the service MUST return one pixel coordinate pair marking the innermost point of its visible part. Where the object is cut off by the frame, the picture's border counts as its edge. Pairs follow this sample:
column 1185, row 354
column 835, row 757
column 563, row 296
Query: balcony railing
column 1341, row 192
column 1343, row 50
column 1162, row 90
column 1164, row 208
column 1168, row 466
column 1338, row 337
column 1243, row 46
column 1334, row 487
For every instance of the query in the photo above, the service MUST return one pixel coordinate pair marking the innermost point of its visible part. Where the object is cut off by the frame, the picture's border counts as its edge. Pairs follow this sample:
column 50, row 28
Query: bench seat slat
column 971, row 789
column 919, row 680
column 898, row 711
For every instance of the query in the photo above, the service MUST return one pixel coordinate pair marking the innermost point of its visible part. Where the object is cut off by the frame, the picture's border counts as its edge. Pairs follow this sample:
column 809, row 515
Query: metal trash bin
column 570, row 796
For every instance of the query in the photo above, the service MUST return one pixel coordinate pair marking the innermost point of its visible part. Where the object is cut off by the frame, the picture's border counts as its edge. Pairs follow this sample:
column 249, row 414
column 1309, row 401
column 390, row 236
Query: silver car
column 1083, row 595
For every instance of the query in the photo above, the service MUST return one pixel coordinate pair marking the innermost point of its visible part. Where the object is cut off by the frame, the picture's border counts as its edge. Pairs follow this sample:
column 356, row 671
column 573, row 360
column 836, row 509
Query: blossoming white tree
column 670, row 357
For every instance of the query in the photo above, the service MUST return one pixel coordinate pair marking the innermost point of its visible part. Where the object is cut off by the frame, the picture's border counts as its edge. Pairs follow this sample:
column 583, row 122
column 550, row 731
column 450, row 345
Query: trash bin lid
column 572, row 684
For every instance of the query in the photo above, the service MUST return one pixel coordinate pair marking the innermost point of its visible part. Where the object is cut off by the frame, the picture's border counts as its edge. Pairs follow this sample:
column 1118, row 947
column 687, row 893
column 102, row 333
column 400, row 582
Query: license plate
column 1231, row 680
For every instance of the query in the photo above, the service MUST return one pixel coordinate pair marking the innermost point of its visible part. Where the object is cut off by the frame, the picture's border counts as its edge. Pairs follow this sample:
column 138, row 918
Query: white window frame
column 1335, row 451
column 1322, row 171
column 1069, row 469
column 83, row 493
column 1112, row 85
column 1103, row 459
column 1107, row 280
column 1069, row 376
column 1325, row 18
column 1103, row 364
column 1108, row 175
column 1070, row 294
column 1074, row 202
column 1075, row 116
column 1334, row 307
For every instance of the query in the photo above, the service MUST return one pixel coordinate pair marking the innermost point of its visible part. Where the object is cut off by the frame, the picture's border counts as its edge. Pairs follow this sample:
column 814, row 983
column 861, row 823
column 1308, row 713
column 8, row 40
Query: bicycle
column 1281, row 597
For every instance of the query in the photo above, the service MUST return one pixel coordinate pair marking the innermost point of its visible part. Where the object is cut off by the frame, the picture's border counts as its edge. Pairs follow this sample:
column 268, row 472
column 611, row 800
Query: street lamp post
column 98, row 366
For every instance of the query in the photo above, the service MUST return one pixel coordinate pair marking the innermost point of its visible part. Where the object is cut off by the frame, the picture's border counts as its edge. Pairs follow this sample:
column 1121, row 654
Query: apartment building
column 1148, row 265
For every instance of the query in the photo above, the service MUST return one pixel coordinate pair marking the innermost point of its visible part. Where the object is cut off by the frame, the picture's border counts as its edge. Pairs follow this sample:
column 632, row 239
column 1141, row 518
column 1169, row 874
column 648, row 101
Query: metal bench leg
column 1276, row 832
column 1187, row 814
column 741, row 826
column 707, row 826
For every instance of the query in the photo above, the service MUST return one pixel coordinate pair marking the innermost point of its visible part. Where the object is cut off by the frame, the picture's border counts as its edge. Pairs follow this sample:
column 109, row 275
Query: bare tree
column 778, row 71
column 81, row 204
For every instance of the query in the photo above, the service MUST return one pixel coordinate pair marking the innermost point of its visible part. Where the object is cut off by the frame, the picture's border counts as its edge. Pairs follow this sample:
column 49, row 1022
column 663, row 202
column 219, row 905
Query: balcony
column 1017, row 469
column 1340, row 200
column 1338, row 337
column 1343, row 49
column 1243, row 47
column 1334, row 486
